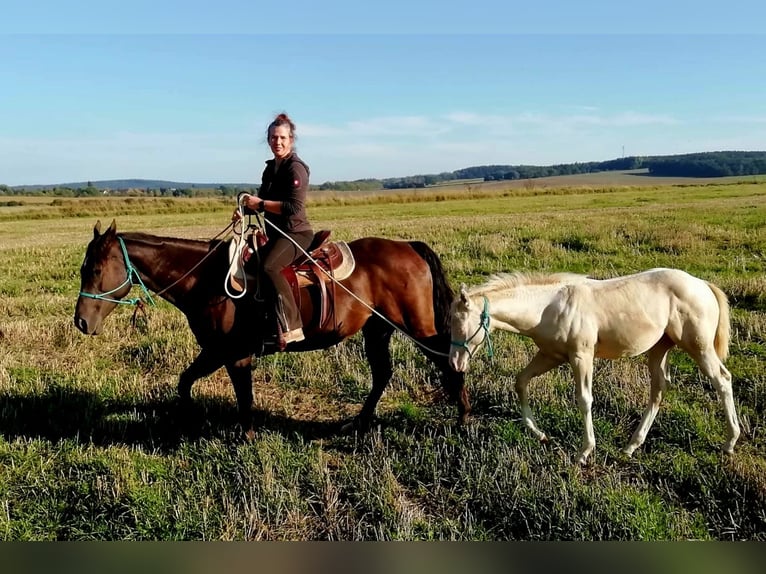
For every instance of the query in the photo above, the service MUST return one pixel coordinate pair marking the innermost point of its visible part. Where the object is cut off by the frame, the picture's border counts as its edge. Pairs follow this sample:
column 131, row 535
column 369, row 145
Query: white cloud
column 380, row 147
column 455, row 123
column 390, row 126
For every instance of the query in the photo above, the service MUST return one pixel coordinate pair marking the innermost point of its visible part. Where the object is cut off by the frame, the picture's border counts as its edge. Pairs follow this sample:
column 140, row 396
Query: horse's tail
column 723, row 333
column 443, row 294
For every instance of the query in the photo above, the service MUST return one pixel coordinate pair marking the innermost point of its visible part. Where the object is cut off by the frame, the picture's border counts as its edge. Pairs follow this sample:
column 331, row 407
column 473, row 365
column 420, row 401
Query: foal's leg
column 377, row 339
column 539, row 364
column 658, row 371
column 714, row 368
column 582, row 368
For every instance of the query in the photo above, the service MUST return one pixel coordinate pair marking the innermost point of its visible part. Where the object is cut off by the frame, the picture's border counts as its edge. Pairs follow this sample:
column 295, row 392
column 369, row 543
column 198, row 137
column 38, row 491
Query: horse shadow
column 162, row 424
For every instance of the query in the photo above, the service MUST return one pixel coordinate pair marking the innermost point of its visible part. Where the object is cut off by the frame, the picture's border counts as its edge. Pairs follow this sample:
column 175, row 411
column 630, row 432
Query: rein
column 198, row 263
column 235, row 259
column 483, row 326
column 355, row 296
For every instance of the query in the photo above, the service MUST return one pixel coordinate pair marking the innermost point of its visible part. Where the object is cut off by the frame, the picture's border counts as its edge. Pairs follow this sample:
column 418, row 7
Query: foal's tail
column 723, row 332
column 443, row 293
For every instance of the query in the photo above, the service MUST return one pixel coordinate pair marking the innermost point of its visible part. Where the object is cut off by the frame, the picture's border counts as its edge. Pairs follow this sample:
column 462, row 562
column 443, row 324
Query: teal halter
column 131, row 272
column 483, row 325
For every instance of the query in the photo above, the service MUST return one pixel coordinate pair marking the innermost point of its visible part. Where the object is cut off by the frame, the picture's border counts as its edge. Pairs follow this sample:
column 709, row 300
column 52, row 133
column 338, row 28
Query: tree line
column 719, row 164
column 704, row 164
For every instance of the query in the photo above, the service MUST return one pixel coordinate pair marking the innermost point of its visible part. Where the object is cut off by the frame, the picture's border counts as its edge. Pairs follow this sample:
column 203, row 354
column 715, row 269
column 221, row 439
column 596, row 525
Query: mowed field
column 93, row 445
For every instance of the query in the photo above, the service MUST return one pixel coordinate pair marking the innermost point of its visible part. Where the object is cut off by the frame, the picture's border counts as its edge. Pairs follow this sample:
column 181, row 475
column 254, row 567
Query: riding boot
column 271, row 321
column 294, row 336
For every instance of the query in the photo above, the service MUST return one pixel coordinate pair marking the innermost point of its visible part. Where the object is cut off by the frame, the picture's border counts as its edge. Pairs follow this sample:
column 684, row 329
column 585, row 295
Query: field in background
column 93, row 446
column 627, row 178
column 598, row 180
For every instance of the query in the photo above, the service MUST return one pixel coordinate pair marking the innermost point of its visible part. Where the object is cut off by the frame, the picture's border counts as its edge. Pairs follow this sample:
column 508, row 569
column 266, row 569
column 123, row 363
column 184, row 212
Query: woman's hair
column 281, row 120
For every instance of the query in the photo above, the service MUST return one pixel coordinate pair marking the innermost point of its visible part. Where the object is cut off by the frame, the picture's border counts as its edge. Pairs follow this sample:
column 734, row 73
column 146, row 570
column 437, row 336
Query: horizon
column 151, row 93
column 254, row 183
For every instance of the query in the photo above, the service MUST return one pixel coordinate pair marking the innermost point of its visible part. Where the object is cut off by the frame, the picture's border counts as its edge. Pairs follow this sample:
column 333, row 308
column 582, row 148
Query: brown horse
column 403, row 281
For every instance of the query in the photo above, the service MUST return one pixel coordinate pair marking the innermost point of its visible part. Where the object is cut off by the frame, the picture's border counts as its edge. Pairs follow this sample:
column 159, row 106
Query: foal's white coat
column 573, row 318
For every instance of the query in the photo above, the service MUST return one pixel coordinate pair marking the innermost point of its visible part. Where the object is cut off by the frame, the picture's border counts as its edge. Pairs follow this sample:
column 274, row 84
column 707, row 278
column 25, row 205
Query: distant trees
column 499, row 172
column 714, row 164
column 356, row 185
column 705, row 164
column 510, row 172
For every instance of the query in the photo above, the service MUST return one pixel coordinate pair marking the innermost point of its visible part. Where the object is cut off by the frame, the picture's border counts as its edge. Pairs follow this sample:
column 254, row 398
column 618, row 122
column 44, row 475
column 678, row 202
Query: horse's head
column 469, row 325
column 103, row 280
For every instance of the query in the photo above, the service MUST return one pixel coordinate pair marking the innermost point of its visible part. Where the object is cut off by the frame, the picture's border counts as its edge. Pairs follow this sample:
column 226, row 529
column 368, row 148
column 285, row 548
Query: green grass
column 93, row 445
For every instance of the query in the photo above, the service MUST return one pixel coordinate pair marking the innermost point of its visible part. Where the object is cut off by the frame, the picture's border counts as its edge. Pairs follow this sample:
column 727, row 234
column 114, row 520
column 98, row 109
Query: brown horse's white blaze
column 402, row 280
column 575, row 319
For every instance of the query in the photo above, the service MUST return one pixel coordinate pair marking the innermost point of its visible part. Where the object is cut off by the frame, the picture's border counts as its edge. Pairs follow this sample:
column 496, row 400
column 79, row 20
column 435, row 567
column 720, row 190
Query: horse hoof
column 544, row 439
column 250, row 436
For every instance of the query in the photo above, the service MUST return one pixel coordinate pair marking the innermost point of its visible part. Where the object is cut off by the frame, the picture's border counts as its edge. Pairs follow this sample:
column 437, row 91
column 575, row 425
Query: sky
column 184, row 90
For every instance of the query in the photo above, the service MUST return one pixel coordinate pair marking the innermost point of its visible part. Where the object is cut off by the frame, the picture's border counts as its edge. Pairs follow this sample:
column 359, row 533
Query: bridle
column 130, row 272
column 483, row 326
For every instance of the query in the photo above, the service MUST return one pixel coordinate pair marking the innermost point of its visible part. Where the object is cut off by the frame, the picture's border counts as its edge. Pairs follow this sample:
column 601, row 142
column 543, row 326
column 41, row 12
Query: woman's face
column 281, row 141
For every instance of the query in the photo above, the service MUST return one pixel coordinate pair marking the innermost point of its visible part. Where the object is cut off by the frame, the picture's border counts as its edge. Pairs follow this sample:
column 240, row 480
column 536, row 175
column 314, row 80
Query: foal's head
column 469, row 323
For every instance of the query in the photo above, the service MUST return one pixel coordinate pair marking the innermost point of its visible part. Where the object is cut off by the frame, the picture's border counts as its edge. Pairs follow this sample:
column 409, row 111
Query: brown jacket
column 289, row 184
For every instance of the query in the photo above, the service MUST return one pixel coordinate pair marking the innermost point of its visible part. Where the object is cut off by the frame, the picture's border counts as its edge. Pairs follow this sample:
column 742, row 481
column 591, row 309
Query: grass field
column 94, row 446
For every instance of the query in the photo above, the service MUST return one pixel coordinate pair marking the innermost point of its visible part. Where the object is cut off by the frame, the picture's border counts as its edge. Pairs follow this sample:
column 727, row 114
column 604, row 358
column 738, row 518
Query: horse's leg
column 206, row 363
column 540, row 363
column 660, row 378
column 242, row 379
column 377, row 339
column 714, row 369
column 452, row 381
column 582, row 368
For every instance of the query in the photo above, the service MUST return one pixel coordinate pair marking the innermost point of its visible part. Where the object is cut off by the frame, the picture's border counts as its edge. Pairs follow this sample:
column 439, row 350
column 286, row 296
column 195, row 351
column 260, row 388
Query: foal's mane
column 505, row 281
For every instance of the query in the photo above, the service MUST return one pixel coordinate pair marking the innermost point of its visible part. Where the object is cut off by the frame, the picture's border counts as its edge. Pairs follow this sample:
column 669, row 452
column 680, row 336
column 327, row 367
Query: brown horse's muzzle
column 83, row 325
column 87, row 319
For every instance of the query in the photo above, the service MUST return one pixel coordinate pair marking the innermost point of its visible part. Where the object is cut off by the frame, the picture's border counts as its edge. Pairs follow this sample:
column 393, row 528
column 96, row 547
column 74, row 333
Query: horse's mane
column 504, row 281
column 159, row 240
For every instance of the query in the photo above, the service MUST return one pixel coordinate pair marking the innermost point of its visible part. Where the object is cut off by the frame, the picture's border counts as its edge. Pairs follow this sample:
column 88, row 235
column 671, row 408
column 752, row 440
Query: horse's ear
column 112, row 227
column 97, row 229
column 463, row 293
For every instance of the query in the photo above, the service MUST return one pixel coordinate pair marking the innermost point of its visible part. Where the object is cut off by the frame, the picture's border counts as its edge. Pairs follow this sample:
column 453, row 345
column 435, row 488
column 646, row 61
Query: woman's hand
column 252, row 202
column 249, row 202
